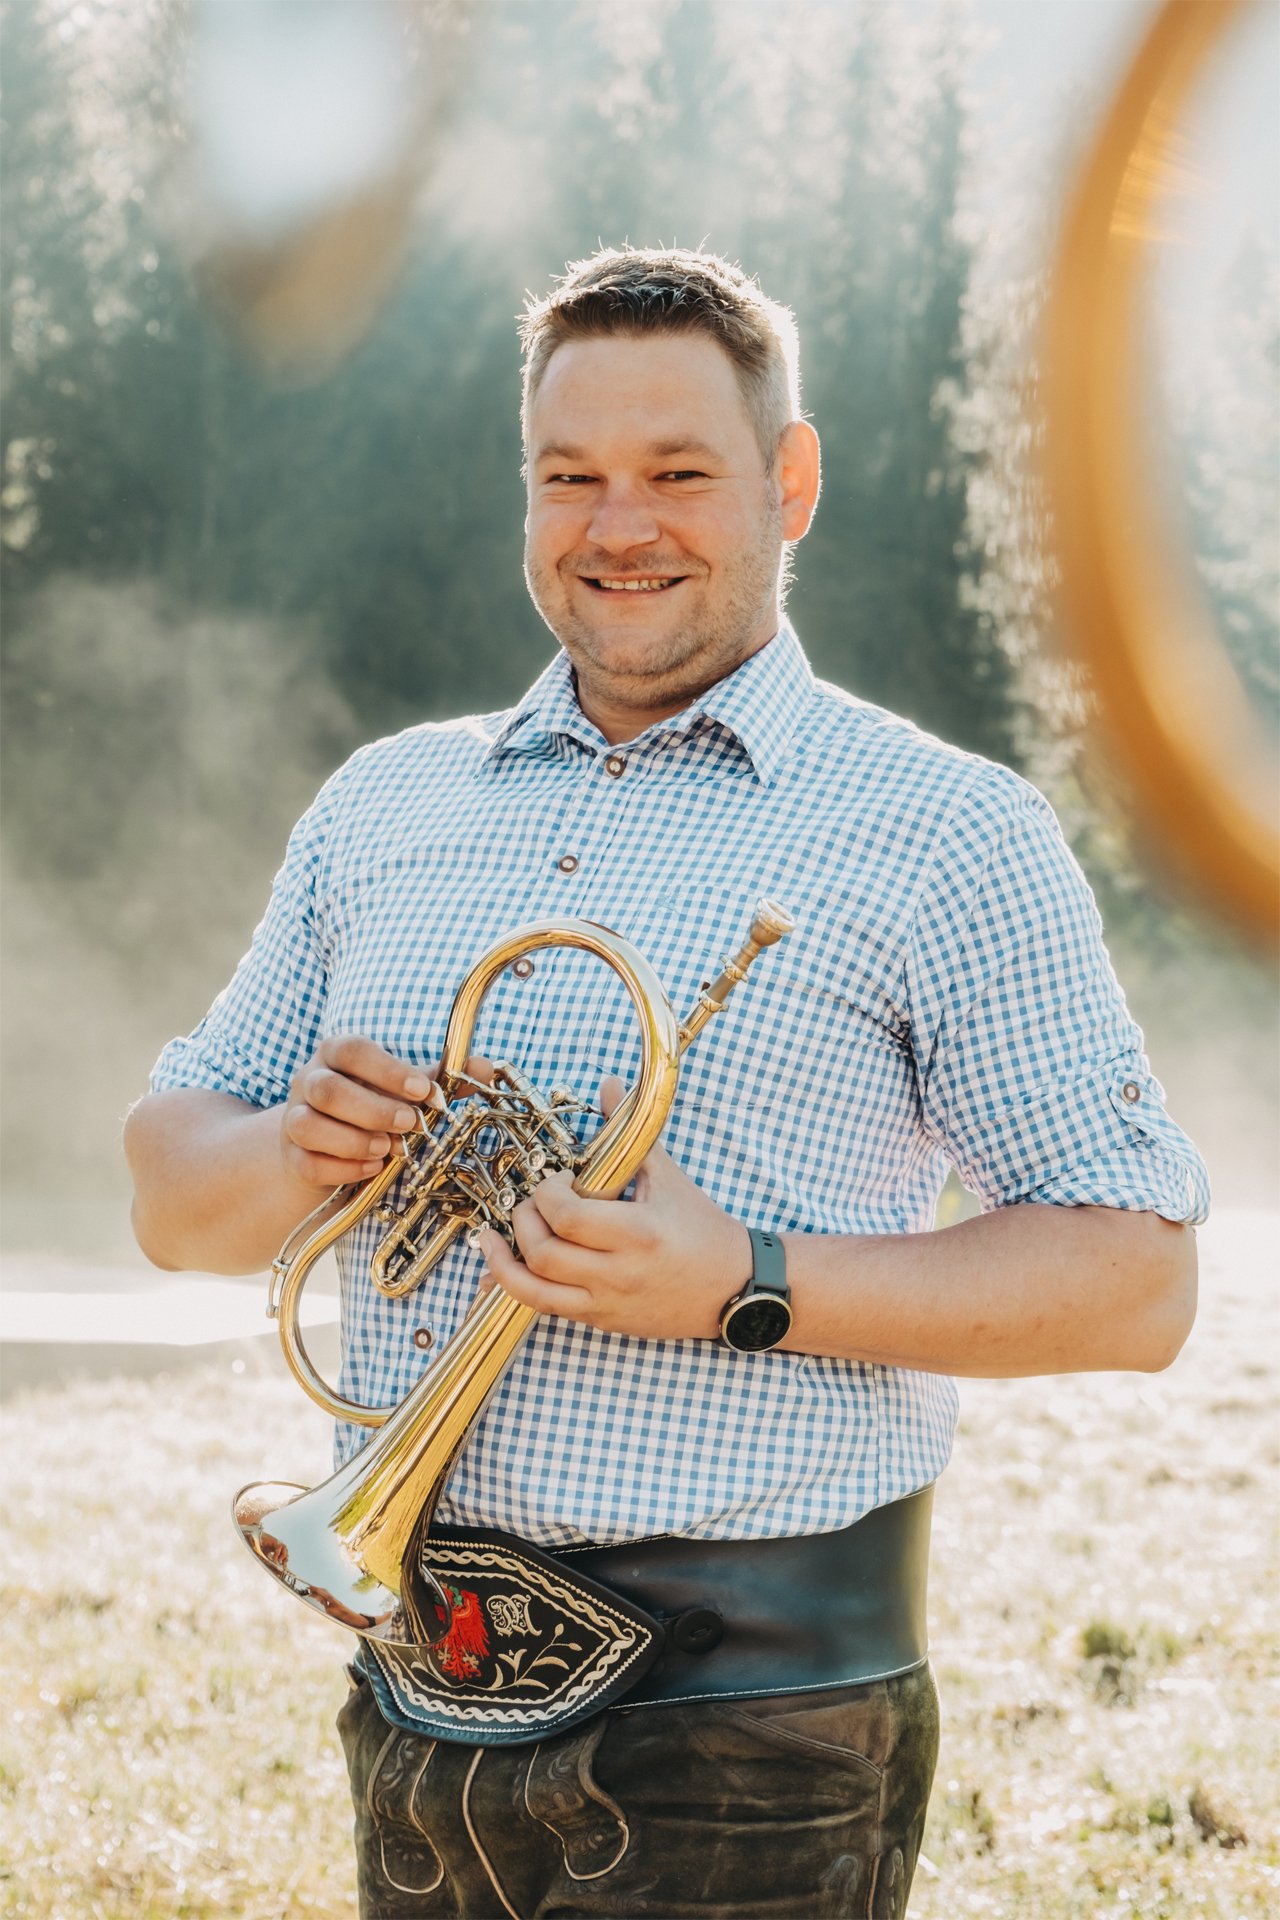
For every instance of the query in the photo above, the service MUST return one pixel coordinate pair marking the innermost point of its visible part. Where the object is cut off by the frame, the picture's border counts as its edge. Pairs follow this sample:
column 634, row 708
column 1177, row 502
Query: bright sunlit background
column 225, row 571
column 262, row 501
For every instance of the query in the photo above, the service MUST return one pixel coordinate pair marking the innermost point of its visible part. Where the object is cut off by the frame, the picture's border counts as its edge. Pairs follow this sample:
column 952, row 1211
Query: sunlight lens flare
column 1179, row 723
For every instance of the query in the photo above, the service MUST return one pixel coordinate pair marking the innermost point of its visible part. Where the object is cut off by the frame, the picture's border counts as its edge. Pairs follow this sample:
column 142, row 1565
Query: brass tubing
column 625, row 1138
column 293, row 1277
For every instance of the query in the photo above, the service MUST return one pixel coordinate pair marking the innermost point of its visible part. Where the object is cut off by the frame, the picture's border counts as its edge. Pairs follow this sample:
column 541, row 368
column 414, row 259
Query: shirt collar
column 760, row 703
column 549, row 708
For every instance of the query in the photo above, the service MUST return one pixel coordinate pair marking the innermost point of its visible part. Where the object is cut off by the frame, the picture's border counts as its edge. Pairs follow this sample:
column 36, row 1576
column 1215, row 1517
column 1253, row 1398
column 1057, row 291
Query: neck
column 620, row 719
column 623, row 709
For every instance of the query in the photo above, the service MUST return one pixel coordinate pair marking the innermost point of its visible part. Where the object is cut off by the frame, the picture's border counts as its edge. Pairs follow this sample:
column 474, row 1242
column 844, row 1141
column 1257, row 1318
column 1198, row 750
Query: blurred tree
column 386, row 501
column 1232, row 451
column 87, row 302
column 854, row 217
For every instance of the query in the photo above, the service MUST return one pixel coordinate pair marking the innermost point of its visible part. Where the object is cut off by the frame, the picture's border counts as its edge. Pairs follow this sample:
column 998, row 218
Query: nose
column 622, row 519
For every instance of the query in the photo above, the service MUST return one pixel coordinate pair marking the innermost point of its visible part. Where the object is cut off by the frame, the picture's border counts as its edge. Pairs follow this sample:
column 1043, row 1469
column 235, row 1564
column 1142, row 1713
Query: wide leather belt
column 543, row 1640
column 778, row 1616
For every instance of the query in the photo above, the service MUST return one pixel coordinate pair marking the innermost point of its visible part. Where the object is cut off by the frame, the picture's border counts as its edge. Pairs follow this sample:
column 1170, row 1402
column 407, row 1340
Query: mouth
column 632, row 583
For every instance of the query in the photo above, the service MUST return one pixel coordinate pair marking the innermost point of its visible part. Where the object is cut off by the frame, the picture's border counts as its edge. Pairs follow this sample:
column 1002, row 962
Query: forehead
column 657, row 388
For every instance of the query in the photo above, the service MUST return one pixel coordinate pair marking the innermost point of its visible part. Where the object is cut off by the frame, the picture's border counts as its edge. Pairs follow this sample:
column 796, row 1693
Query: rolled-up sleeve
column 1032, row 1074
column 266, row 1022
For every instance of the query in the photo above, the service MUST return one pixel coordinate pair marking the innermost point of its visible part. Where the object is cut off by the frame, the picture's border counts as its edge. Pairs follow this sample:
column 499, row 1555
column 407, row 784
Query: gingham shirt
column 946, row 1000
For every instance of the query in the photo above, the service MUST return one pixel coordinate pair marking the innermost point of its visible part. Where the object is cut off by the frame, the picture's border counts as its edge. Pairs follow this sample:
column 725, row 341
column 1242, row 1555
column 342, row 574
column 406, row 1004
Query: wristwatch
column 758, row 1317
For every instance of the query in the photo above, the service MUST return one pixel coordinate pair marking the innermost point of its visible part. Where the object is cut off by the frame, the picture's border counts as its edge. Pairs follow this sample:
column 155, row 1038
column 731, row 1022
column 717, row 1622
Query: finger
column 531, row 1230
column 612, row 1094
column 329, row 1092
column 364, row 1060
column 478, row 1068
column 549, row 1257
column 544, row 1296
column 606, row 1226
column 322, row 1170
column 314, row 1133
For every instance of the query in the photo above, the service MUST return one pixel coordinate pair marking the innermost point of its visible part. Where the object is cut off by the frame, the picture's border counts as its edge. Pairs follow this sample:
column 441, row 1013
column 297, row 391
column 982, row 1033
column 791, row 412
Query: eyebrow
column 656, row 449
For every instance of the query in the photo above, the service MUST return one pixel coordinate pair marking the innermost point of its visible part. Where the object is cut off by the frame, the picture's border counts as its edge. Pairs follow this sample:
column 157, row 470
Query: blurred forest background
column 217, row 583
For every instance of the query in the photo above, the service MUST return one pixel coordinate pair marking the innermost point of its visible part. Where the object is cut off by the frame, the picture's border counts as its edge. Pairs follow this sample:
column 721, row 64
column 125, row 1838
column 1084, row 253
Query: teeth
column 633, row 586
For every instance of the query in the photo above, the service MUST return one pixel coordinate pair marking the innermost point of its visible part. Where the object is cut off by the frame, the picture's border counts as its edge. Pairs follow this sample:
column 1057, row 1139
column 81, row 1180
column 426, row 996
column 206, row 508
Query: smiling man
column 656, row 520
column 722, row 1434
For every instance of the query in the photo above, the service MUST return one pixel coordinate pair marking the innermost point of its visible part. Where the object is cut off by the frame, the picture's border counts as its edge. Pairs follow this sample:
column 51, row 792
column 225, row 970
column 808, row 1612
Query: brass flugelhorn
column 352, row 1547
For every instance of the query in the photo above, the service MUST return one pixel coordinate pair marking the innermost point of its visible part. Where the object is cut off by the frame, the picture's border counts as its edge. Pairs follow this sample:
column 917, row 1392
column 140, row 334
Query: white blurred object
column 312, row 125
column 297, row 104
column 143, row 1325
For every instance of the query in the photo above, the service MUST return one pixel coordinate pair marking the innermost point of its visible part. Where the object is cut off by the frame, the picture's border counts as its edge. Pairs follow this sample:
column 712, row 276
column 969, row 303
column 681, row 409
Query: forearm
column 211, row 1189
column 1024, row 1290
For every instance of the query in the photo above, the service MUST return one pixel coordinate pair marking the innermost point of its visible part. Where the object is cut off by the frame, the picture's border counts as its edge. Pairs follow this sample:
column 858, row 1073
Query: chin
column 630, row 656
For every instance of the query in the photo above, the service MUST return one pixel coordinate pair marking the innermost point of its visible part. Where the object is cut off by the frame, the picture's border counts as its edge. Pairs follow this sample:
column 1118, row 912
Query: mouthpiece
column 770, row 923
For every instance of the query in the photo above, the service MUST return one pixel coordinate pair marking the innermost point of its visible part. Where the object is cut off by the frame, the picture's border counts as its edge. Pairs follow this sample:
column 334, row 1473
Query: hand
column 345, row 1105
column 660, row 1266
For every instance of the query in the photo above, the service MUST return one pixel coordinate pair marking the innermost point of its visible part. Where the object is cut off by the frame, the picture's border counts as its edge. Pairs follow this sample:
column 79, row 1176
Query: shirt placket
column 586, row 837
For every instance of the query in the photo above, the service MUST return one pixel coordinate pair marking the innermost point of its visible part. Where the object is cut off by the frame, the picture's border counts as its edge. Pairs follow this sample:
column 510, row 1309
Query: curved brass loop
column 625, row 1138
column 291, row 1273
column 1177, row 717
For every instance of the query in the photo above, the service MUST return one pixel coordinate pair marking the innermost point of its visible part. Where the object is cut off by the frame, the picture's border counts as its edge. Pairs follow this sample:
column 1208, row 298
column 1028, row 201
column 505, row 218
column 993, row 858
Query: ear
column 799, row 477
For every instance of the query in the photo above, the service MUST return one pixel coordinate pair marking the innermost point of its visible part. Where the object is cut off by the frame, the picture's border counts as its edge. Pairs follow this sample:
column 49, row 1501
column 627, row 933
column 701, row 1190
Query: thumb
column 657, row 1162
column 611, row 1096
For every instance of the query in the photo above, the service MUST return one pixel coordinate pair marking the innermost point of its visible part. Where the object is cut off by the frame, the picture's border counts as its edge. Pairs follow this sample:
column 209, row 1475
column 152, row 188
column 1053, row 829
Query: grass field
column 1104, row 1582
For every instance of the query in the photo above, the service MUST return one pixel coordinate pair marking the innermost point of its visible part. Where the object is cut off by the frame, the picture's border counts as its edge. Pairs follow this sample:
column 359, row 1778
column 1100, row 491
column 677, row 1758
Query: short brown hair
column 636, row 290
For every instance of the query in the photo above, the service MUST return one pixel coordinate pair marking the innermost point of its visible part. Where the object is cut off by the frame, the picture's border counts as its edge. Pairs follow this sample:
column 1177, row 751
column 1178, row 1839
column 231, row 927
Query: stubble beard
column 667, row 669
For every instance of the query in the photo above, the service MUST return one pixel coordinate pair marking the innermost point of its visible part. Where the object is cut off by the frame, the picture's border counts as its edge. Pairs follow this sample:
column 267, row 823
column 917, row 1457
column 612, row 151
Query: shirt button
column 568, row 863
column 616, row 764
column 422, row 1338
column 1131, row 1091
column 523, row 968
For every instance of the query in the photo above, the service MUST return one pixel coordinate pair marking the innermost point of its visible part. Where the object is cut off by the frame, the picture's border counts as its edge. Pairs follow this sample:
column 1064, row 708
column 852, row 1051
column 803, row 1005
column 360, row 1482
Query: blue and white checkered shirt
column 946, row 1000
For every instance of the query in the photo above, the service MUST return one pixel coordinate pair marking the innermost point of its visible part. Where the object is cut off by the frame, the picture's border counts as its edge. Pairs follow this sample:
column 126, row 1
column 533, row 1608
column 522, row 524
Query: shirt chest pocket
column 402, row 942
column 804, row 1024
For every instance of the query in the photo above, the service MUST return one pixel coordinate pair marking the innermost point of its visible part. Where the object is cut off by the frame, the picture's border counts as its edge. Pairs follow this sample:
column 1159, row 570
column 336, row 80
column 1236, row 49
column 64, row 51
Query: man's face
column 655, row 529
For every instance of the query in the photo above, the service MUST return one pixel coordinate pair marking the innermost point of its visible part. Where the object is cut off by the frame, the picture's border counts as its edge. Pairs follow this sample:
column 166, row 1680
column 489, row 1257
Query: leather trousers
column 781, row 1807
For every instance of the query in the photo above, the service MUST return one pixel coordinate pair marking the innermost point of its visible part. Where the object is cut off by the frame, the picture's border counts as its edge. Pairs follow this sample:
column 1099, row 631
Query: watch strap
column 768, row 1264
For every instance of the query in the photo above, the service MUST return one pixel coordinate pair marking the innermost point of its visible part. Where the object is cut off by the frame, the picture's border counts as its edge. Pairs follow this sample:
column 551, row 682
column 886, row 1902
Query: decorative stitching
column 413, row 1796
column 871, row 1881
column 603, row 1799
column 400, row 1885
column 820, row 1749
column 485, row 1861
column 751, row 1693
column 375, row 1772
column 625, row 1640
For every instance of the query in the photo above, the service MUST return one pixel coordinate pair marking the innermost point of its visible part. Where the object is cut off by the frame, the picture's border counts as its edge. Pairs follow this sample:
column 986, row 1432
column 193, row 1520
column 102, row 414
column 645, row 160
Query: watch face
column 756, row 1324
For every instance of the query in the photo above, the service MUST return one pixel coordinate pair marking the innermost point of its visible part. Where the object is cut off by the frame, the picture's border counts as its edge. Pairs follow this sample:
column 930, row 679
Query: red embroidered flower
column 467, row 1640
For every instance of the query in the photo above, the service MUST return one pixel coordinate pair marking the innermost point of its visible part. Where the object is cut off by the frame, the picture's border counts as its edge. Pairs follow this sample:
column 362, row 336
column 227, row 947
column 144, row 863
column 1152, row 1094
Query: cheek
column 728, row 530
column 538, row 568
column 548, row 537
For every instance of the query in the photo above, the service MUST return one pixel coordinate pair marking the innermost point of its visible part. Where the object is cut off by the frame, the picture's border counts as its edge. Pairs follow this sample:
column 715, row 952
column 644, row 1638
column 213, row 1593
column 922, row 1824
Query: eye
column 683, row 473
column 568, row 479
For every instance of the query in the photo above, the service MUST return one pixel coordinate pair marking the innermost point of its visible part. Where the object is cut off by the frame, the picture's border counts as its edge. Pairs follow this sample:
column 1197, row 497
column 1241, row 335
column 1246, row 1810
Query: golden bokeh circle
column 1202, row 770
